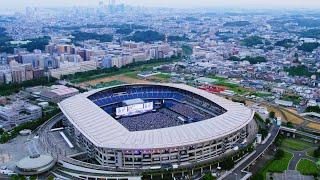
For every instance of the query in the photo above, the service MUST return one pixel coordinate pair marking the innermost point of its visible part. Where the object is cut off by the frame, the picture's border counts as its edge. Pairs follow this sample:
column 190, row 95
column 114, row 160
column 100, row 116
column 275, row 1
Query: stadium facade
column 151, row 126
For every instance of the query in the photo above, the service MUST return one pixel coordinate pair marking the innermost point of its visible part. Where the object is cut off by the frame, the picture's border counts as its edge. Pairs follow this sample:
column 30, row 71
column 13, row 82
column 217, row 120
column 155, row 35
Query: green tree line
column 8, row 89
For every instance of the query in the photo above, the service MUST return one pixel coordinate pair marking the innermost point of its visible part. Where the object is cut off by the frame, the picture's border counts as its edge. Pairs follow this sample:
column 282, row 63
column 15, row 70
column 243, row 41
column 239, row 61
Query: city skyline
column 21, row 4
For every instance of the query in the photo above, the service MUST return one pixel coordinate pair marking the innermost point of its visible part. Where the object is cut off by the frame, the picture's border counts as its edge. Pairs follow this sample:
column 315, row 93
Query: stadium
column 155, row 126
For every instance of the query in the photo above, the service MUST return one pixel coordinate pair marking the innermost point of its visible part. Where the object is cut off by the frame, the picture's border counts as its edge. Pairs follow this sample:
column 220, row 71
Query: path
column 297, row 155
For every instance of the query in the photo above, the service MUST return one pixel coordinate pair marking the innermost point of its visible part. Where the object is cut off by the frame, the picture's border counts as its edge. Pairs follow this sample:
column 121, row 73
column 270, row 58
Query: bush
column 289, row 124
column 227, row 163
column 316, row 152
column 313, row 109
column 268, row 121
column 308, row 47
column 279, row 140
column 208, row 176
column 8, row 89
column 5, row 137
column 272, row 114
column 279, row 154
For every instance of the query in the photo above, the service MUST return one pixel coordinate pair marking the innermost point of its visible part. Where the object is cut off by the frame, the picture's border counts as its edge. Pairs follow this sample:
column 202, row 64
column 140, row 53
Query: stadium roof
column 104, row 131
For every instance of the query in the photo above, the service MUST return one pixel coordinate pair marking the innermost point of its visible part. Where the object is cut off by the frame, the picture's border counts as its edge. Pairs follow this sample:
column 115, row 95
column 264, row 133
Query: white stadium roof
column 104, row 131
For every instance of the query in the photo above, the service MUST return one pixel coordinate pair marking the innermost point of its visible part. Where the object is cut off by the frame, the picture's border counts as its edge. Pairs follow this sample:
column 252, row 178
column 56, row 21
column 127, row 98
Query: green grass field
column 164, row 76
column 221, row 81
column 130, row 70
column 109, row 84
column 295, row 144
column 132, row 74
column 274, row 166
column 261, row 94
column 307, row 167
column 310, row 152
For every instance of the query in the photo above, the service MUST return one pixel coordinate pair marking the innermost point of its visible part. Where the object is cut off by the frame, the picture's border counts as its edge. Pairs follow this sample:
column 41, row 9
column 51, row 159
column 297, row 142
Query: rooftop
column 104, row 131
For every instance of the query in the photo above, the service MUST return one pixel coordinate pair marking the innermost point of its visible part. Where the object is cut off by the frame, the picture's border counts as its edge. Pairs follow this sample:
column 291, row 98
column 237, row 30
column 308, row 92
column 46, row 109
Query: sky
column 21, row 4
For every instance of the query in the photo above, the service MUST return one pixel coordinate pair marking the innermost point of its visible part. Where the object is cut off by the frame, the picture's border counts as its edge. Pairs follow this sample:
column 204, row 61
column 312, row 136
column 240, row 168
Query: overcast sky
column 20, row 4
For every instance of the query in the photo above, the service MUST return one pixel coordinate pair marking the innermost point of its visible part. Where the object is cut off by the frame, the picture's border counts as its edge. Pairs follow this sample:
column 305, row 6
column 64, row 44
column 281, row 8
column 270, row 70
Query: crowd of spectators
column 175, row 115
column 152, row 120
column 189, row 112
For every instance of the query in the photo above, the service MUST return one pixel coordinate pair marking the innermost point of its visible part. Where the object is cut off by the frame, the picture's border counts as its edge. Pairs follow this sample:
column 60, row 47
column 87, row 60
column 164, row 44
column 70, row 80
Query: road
column 297, row 155
column 4, row 177
column 237, row 173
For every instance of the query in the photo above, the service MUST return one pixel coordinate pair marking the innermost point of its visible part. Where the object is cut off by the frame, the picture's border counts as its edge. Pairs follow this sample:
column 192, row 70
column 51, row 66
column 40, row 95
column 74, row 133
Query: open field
column 291, row 110
column 313, row 125
column 109, row 72
column 121, row 77
column 108, row 84
column 295, row 144
column 295, row 119
column 307, row 167
column 310, row 152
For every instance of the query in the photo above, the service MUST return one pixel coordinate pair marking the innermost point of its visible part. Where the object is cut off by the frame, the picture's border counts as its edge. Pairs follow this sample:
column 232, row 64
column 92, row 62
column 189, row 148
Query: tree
column 124, row 31
column 187, row 50
column 279, row 140
column 309, row 47
column 279, row 154
column 227, row 163
column 234, row 58
column 289, row 124
column 316, row 152
column 300, row 70
column 1, row 131
column 5, row 137
column 272, row 115
column 252, row 41
column 313, row 109
column 37, row 43
column 263, row 132
column 146, row 36
column 208, row 176
column 83, row 36
column 177, row 38
column 8, row 89
column 296, row 58
column 268, row 121
column 18, row 177
column 287, row 43
column 254, row 60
